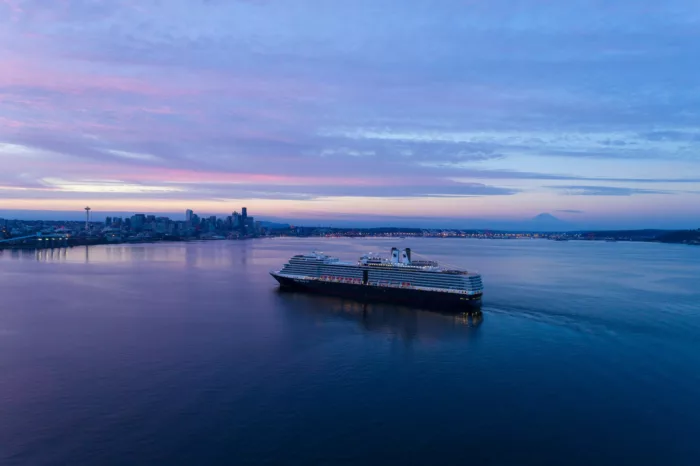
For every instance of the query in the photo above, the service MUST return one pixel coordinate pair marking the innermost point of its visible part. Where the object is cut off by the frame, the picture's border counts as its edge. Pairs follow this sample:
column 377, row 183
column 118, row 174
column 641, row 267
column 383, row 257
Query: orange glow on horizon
column 528, row 205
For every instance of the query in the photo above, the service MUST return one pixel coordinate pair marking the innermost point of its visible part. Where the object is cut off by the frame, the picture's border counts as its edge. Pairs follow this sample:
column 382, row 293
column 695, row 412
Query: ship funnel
column 406, row 256
column 394, row 256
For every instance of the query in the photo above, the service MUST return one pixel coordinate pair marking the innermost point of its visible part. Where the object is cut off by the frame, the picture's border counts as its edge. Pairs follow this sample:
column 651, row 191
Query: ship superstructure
column 397, row 279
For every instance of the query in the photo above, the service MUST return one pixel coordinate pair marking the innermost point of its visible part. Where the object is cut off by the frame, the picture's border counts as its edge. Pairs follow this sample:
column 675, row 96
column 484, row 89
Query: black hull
column 367, row 293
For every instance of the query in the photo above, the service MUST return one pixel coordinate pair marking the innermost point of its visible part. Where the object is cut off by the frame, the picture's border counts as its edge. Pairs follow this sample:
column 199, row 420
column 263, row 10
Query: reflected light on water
column 407, row 323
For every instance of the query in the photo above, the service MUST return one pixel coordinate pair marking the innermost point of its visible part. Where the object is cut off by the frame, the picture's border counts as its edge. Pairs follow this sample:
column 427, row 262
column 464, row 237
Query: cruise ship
column 398, row 279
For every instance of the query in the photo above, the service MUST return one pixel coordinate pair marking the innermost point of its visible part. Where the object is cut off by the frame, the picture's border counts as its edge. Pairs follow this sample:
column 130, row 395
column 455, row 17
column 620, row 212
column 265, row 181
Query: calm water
column 186, row 354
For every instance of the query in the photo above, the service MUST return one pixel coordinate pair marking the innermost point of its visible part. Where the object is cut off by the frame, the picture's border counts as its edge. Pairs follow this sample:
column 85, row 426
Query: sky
column 455, row 111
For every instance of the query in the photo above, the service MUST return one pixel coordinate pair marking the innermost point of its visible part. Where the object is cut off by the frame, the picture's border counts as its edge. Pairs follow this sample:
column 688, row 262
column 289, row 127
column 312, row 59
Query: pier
column 36, row 241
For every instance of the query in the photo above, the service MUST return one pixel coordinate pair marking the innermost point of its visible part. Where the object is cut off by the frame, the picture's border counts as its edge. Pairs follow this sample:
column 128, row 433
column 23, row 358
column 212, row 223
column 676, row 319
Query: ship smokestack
column 394, row 255
column 408, row 254
column 405, row 258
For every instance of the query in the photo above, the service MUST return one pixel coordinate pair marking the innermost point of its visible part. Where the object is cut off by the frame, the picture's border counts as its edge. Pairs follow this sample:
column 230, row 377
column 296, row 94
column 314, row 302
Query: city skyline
column 456, row 113
column 542, row 222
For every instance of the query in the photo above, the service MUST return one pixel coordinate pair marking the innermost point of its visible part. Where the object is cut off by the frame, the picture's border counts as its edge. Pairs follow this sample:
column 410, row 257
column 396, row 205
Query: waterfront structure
column 35, row 241
column 398, row 279
column 87, row 218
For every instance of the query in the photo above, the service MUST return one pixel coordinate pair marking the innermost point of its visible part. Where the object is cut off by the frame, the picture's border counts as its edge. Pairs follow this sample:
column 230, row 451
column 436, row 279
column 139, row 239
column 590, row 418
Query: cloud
column 105, row 186
column 132, row 155
column 605, row 191
column 570, row 211
column 399, row 191
column 611, row 145
column 248, row 190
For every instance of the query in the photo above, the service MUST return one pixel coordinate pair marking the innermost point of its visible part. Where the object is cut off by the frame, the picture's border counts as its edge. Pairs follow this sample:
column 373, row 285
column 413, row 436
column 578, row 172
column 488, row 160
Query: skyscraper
column 188, row 215
column 137, row 222
column 250, row 225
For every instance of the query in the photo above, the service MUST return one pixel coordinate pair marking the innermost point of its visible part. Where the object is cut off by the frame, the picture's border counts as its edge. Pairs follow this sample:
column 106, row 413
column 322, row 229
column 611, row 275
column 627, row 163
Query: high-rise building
column 137, row 222
column 108, row 221
column 250, row 225
column 162, row 225
column 244, row 220
column 236, row 219
column 188, row 215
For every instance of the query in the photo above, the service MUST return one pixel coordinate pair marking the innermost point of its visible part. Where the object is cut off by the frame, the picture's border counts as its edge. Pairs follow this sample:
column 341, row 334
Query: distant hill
column 546, row 221
column 632, row 234
column 683, row 236
column 275, row 225
column 545, row 217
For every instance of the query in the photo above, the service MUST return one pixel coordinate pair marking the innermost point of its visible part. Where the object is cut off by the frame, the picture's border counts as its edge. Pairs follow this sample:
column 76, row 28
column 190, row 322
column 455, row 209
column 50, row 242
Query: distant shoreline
column 80, row 242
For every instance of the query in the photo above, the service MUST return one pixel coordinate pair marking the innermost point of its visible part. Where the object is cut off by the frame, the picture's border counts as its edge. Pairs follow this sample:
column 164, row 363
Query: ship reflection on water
column 405, row 322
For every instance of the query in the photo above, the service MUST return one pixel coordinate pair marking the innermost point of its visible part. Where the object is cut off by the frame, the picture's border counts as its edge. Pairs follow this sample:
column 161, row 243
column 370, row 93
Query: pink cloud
column 14, row 124
column 71, row 169
column 13, row 5
column 30, row 74
column 86, row 98
column 153, row 174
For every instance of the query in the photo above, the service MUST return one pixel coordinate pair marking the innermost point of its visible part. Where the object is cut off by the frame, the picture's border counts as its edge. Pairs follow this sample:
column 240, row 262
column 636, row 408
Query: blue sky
column 453, row 110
